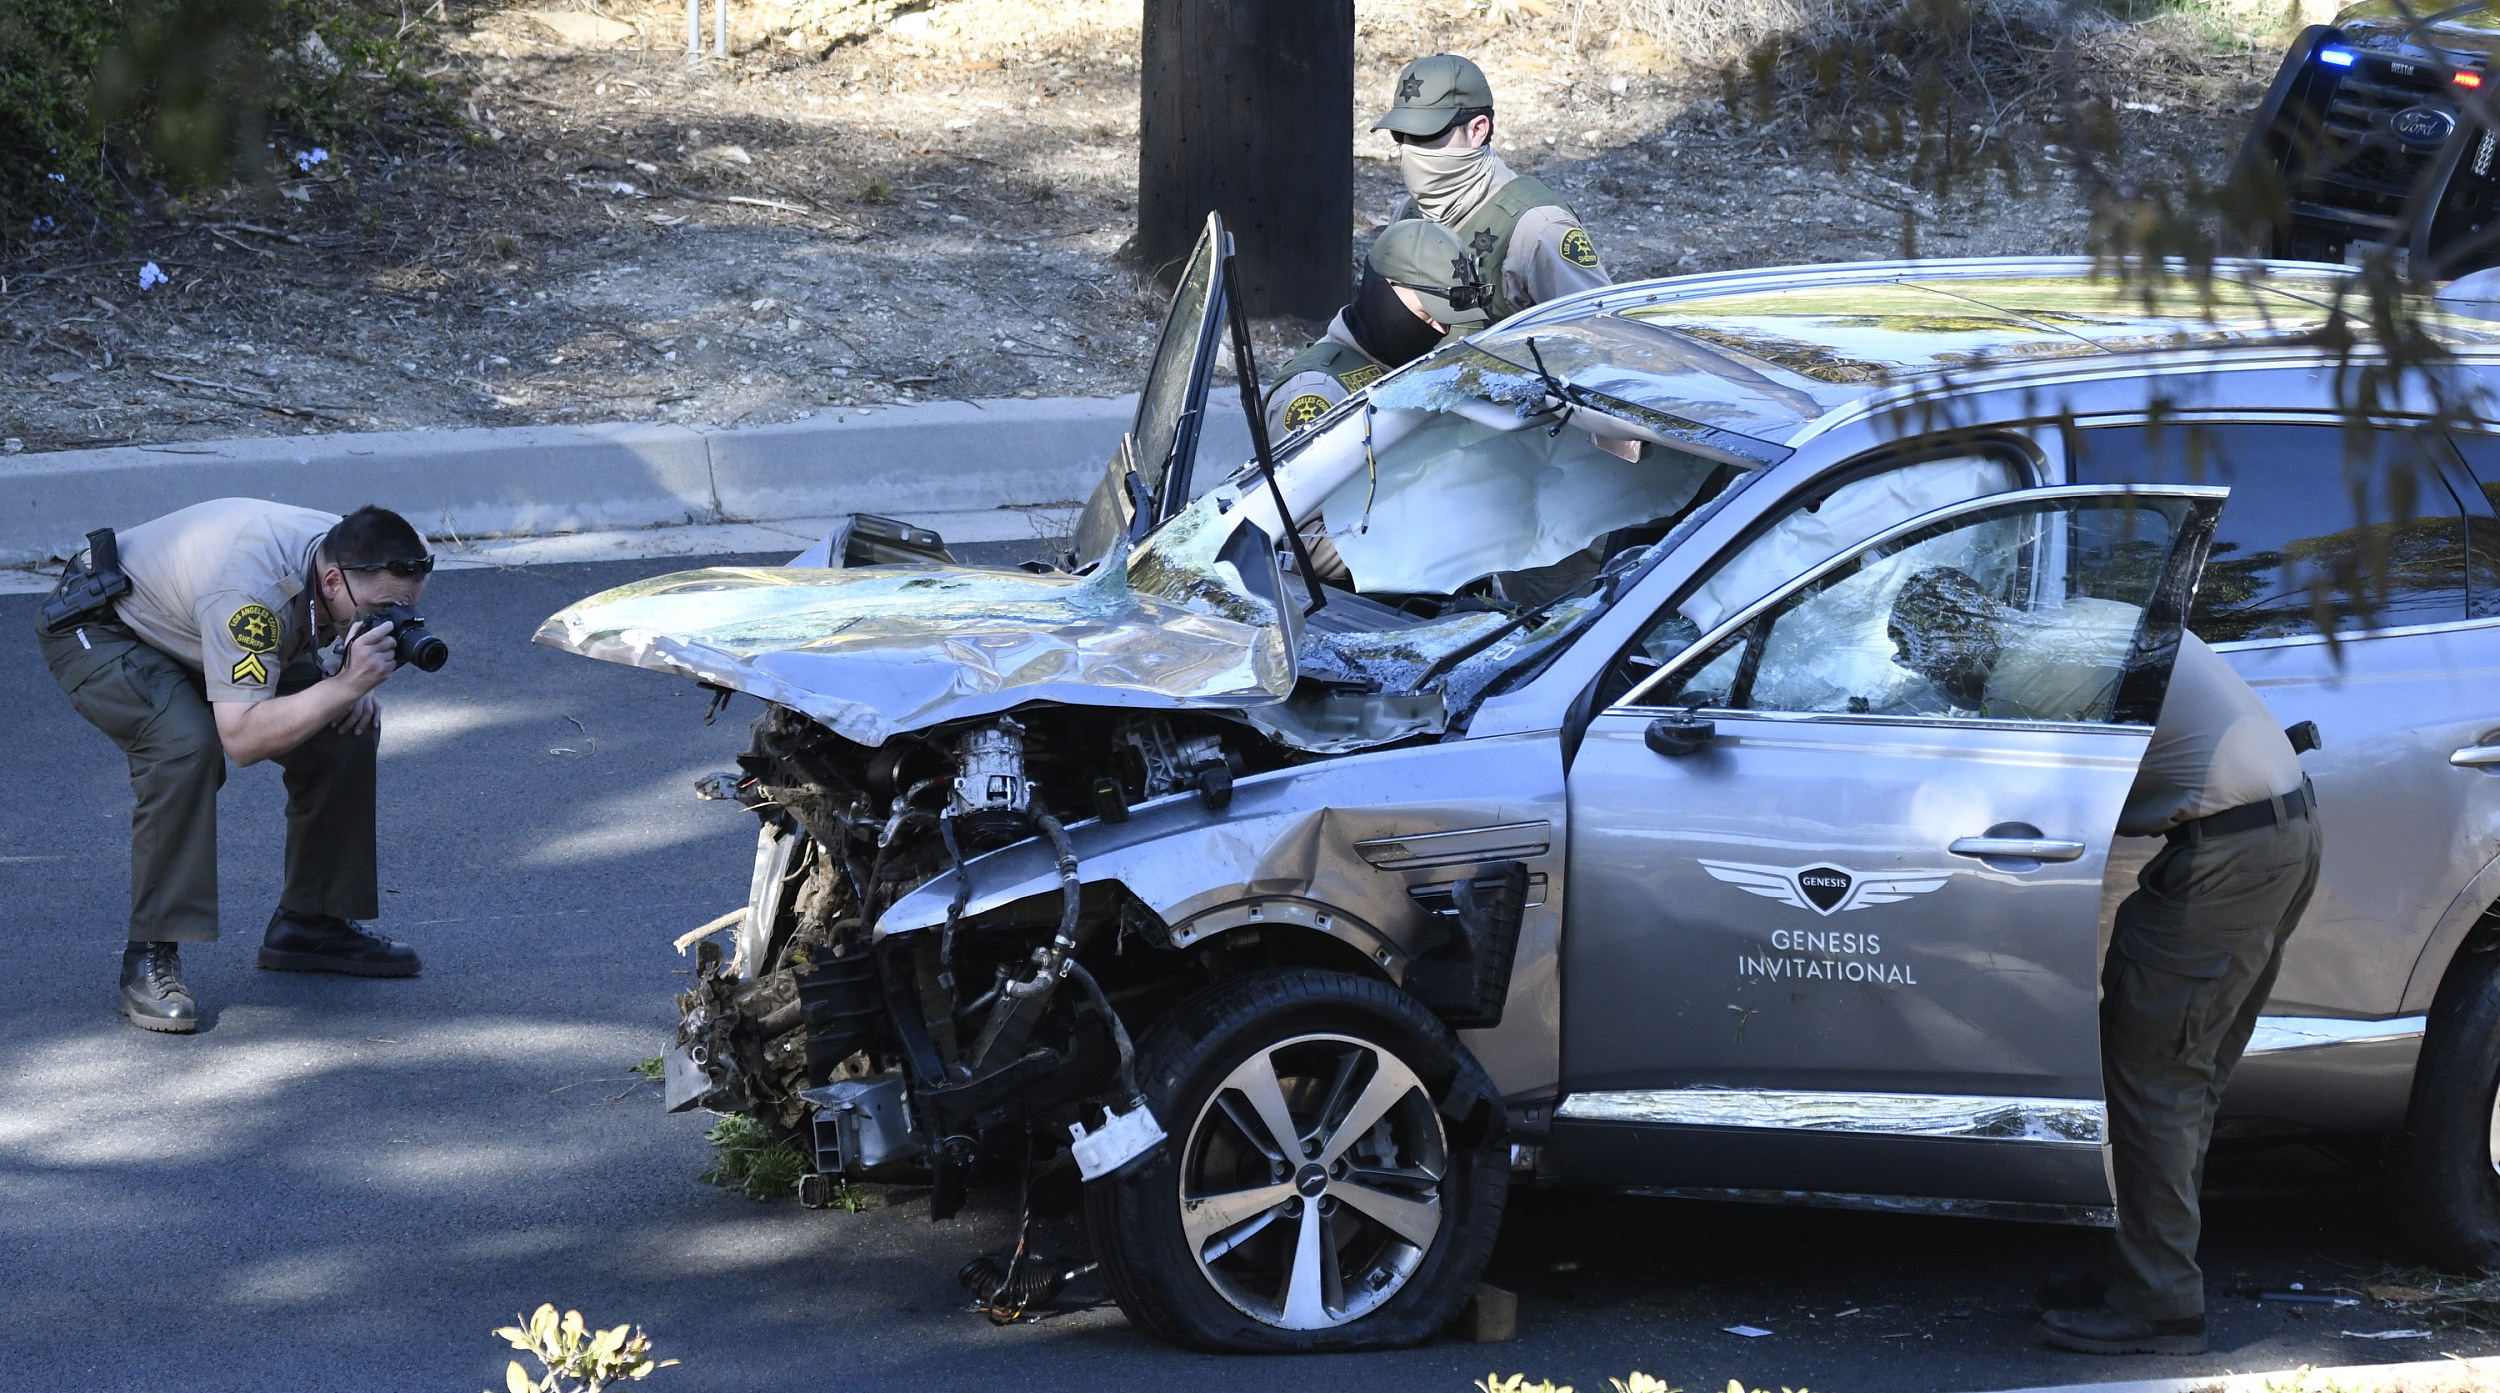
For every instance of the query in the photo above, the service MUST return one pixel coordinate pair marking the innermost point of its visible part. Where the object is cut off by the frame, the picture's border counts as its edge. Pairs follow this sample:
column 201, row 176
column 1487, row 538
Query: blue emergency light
column 2340, row 57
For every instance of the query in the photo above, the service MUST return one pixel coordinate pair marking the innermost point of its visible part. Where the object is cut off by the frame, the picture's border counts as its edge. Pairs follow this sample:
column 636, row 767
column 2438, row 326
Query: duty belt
column 2247, row 817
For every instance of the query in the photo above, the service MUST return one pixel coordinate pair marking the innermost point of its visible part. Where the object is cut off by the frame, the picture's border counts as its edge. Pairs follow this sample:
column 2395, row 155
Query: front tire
column 1334, row 1178
column 2447, row 1186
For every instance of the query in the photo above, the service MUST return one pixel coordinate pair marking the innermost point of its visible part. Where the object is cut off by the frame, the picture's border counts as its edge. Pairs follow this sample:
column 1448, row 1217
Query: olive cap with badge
column 1432, row 91
column 1427, row 259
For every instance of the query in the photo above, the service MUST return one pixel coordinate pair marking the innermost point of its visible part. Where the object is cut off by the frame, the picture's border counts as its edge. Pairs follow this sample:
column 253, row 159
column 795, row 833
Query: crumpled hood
column 877, row 651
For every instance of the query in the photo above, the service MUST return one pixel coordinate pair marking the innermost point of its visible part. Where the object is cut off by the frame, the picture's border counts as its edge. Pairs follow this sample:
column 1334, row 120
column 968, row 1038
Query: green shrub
column 188, row 93
column 748, row 1158
column 50, row 163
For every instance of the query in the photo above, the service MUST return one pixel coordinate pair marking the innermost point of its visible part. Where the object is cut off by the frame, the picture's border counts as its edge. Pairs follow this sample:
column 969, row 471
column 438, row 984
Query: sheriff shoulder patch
column 1578, row 249
column 1304, row 409
column 255, row 630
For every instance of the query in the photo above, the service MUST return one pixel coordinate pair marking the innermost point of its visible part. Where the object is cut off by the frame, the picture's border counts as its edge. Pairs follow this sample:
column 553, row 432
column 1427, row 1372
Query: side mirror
column 1675, row 736
column 864, row 539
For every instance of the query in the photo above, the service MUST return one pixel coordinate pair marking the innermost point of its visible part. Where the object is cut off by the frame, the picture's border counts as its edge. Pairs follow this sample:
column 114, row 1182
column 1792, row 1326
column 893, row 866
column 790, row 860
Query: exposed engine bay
column 804, row 1020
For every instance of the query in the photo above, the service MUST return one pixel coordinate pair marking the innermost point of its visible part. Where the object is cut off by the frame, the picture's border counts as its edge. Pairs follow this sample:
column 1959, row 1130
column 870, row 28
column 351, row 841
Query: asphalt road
column 348, row 1184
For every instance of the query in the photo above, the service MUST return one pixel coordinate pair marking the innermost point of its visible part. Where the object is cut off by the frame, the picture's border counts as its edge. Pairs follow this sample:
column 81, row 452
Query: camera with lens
column 415, row 647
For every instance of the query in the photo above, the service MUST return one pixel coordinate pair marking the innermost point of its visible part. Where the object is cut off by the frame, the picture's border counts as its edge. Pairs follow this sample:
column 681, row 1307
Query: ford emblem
column 2423, row 125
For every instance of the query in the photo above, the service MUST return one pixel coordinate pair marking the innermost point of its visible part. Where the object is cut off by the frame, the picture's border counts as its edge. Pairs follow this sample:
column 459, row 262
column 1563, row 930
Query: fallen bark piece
column 1490, row 1317
column 180, row 381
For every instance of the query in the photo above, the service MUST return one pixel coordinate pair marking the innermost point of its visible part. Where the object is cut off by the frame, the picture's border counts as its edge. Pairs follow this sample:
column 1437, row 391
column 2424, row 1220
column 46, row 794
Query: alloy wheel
column 1310, row 1187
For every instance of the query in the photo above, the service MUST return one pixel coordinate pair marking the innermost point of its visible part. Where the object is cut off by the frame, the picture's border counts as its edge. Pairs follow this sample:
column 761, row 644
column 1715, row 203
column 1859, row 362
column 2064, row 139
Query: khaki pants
column 153, row 707
column 2190, row 966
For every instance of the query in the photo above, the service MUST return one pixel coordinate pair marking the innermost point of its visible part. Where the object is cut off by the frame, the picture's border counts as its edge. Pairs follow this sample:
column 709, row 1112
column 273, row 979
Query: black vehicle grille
column 2361, row 173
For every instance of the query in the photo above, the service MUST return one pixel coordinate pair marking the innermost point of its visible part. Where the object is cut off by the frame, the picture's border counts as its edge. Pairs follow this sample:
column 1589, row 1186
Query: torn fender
column 1367, row 849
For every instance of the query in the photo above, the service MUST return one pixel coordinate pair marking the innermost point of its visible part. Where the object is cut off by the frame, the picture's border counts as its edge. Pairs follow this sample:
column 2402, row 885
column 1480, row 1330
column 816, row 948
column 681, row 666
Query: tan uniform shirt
column 1536, row 268
column 2216, row 746
column 221, row 586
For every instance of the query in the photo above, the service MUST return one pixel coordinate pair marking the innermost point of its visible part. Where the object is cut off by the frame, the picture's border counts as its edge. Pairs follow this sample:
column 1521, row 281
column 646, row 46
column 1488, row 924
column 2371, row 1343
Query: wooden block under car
column 1490, row 1317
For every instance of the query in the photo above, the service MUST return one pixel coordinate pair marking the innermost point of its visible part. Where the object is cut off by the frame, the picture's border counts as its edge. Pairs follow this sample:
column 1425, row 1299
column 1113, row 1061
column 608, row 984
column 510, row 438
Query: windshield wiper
column 1572, row 398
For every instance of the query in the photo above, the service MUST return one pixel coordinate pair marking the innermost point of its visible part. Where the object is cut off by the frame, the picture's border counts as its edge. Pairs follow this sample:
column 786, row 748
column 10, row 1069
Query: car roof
column 1770, row 353
column 2385, row 24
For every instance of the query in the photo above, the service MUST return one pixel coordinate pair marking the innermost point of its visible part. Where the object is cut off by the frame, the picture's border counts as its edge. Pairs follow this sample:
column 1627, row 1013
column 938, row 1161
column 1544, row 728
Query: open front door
column 1836, row 869
column 1148, row 478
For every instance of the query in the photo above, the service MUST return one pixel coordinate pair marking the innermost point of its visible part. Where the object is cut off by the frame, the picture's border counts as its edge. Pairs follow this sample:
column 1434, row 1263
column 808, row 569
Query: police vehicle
column 2371, row 127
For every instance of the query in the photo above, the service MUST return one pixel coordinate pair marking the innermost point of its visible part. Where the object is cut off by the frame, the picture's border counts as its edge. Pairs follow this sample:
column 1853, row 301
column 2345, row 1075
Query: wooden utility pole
column 1246, row 107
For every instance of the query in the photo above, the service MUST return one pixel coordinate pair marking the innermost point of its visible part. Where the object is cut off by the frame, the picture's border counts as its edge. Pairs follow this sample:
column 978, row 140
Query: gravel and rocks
column 936, row 211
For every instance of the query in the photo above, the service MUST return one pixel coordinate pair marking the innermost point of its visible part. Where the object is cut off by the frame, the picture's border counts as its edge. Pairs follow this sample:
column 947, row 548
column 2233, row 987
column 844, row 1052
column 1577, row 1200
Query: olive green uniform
column 1317, row 378
column 2193, row 958
column 220, row 610
column 1528, row 244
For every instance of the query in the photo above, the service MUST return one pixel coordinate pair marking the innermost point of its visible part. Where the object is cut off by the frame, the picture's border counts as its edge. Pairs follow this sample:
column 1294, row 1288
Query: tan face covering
column 1447, row 184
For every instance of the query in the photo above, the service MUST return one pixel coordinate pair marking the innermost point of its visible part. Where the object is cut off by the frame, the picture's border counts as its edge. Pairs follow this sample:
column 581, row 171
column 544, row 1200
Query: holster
column 87, row 588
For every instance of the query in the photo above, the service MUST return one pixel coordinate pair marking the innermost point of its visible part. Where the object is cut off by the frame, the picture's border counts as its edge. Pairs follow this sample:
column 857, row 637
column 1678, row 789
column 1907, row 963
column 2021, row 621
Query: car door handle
column 2018, row 848
column 2476, row 757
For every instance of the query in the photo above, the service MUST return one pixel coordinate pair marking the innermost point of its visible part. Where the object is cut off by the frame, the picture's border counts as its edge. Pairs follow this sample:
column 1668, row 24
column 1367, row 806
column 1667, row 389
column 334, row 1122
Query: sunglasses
column 1465, row 295
column 406, row 568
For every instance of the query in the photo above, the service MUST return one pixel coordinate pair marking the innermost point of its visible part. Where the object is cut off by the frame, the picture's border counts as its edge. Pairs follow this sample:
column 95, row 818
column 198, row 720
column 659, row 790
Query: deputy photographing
column 199, row 637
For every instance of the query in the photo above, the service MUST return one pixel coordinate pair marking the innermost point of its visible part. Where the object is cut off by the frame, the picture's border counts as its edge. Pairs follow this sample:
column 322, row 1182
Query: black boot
column 153, row 996
column 320, row 943
column 2106, row 1330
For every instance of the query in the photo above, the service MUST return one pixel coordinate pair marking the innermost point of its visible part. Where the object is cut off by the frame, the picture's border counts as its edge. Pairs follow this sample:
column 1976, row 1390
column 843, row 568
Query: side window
column 2024, row 613
column 1814, row 533
column 2317, row 537
column 2481, row 495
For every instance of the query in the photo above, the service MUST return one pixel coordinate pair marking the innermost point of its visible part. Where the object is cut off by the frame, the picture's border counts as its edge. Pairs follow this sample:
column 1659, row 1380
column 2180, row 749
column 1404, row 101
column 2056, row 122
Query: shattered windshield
column 1467, row 497
column 1688, row 390
column 1463, row 523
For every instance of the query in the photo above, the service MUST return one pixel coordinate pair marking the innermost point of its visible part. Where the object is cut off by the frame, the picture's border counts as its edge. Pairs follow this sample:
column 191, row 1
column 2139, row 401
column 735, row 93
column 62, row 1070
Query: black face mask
column 1384, row 326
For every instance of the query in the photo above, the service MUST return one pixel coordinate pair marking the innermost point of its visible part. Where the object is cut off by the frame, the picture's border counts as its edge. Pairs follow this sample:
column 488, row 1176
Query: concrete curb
column 2452, row 1372
column 954, row 458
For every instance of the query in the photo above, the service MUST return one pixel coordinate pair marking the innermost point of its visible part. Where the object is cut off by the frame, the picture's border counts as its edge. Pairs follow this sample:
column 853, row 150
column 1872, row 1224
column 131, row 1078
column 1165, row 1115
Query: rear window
column 2317, row 537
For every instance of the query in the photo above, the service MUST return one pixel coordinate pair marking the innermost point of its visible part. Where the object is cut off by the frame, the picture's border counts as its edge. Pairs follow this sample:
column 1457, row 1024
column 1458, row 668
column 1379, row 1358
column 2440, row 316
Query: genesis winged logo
column 1825, row 889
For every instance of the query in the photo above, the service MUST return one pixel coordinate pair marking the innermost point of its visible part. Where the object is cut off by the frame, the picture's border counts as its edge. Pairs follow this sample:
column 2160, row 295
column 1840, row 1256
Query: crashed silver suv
column 1545, row 778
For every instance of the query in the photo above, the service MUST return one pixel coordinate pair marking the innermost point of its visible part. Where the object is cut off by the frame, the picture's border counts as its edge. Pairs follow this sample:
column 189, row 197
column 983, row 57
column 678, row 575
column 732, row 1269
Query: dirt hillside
column 935, row 210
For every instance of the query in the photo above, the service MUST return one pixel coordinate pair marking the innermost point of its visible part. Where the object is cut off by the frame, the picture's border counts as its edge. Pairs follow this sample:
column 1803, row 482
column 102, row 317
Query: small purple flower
column 307, row 159
column 44, row 224
column 150, row 277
